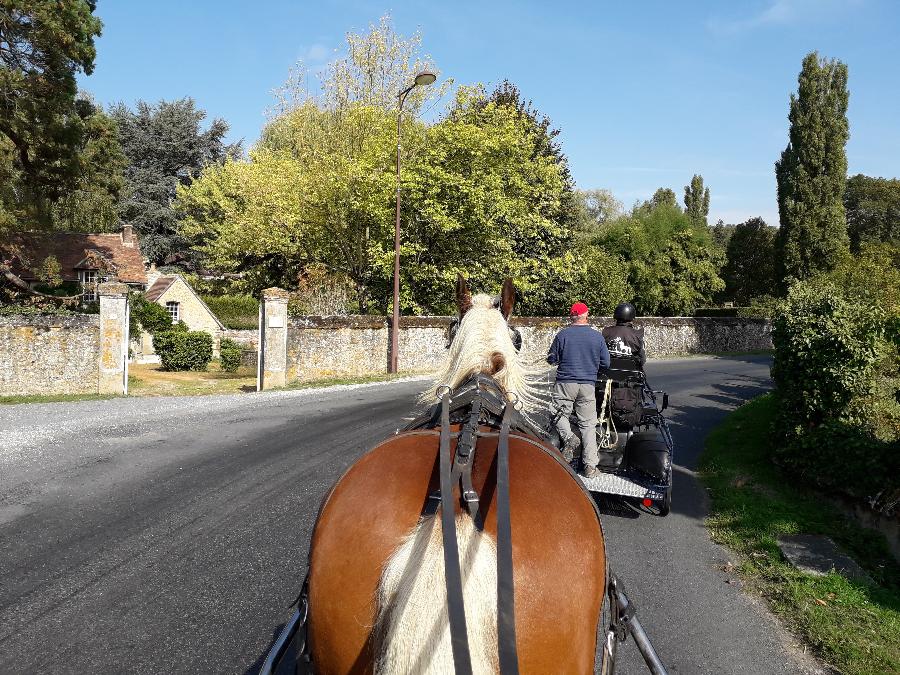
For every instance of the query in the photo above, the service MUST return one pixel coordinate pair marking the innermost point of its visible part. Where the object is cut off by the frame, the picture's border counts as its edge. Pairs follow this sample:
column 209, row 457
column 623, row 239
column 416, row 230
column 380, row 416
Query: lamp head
column 424, row 78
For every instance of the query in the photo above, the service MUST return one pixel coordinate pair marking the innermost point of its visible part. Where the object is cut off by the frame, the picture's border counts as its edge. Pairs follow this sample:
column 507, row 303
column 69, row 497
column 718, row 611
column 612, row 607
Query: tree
column 696, row 200
column 721, row 234
column 598, row 206
column 43, row 44
column 749, row 271
column 873, row 210
column 165, row 147
column 812, row 172
column 672, row 263
column 662, row 197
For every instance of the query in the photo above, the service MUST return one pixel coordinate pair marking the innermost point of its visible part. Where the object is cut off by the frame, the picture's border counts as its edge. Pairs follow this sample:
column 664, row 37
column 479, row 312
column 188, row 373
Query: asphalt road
column 170, row 535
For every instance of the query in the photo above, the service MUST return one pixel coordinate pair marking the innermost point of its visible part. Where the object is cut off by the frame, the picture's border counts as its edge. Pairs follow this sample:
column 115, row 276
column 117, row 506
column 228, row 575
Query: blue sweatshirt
column 580, row 352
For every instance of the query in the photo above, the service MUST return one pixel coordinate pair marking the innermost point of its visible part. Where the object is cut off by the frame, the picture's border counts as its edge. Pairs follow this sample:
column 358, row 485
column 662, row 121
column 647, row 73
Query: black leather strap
column 506, row 606
column 459, row 637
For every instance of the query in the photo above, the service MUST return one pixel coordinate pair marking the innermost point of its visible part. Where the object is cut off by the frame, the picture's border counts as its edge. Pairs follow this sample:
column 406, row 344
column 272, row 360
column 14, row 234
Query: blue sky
column 646, row 93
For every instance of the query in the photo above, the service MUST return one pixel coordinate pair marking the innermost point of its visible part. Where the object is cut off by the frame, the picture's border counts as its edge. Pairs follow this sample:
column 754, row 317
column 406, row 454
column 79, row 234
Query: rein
column 481, row 399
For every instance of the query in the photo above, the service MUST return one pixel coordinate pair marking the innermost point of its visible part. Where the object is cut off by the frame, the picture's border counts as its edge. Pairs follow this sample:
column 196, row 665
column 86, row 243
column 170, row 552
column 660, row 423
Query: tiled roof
column 160, row 286
column 74, row 251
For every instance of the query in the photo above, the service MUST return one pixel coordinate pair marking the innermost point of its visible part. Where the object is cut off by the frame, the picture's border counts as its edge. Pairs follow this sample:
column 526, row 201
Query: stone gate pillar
column 272, row 367
column 113, row 363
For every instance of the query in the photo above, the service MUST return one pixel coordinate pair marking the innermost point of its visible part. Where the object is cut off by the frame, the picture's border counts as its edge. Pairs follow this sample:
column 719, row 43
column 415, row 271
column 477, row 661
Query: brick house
column 84, row 258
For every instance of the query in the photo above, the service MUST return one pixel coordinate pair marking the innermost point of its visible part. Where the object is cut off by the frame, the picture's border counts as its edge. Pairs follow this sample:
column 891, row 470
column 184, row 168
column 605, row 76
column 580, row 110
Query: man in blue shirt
column 579, row 352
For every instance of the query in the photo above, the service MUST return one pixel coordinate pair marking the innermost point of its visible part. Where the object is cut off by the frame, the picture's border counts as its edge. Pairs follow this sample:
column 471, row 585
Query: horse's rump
column 558, row 550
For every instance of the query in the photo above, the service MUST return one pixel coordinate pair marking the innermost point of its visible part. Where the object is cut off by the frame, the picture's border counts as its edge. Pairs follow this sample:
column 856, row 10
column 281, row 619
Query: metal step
column 611, row 484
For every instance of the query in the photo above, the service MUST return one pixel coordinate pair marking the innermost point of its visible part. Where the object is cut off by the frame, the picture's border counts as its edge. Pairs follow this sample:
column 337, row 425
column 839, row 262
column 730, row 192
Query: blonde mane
column 483, row 345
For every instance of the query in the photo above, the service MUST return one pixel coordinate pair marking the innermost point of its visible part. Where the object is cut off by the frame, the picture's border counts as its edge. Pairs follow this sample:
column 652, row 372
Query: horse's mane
column 483, row 345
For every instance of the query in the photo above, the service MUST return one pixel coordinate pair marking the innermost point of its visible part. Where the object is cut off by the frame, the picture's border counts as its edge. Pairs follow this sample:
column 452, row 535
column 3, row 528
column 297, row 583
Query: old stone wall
column 49, row 354
column 249, row 342
column 353, row 346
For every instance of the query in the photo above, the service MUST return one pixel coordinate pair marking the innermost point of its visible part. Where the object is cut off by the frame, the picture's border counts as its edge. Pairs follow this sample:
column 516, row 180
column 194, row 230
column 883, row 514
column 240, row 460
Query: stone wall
column 248, row 340
column 353, row 346
column 49, row 354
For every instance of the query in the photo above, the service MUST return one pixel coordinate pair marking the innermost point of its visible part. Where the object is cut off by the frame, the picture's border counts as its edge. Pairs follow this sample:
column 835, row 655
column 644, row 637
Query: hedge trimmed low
column 183, row 350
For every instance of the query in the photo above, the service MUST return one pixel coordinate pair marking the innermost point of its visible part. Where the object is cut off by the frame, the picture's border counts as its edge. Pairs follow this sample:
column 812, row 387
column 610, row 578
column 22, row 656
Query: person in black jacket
column 623, row 339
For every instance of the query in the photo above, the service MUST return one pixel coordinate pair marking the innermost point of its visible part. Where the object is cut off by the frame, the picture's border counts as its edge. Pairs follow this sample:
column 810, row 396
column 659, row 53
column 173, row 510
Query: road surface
column 170, row 535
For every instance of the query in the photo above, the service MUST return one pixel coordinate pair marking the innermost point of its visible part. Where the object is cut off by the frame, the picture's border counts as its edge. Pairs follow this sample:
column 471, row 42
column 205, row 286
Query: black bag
column 625, row 404
column 648, row 452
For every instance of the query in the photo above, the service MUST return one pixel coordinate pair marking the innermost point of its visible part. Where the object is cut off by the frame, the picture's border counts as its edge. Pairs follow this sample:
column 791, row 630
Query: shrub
column 234, row 311
column 152, row 318
column 230, row 354
column 837, row 422
column 183, row 350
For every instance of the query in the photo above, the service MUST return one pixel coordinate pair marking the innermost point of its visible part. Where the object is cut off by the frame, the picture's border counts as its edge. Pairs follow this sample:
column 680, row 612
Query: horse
column 377, row 594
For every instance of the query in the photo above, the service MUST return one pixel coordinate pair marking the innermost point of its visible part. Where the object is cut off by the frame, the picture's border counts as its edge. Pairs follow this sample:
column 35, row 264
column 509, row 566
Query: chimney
column 127, row 236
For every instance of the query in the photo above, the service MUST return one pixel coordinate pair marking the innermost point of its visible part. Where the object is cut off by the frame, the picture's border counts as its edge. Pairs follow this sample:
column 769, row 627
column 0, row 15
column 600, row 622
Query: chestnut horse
column 377, row 593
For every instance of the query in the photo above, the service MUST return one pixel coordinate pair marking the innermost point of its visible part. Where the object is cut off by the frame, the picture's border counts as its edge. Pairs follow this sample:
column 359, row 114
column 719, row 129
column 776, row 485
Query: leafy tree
column 873, row 210
column 812, row 172
column 696, row 200
column 749, row 271
column 672, row 265
column 721, row 234
column 598, row 207
column 43, row 44
column 165, row 147
column 662, row 197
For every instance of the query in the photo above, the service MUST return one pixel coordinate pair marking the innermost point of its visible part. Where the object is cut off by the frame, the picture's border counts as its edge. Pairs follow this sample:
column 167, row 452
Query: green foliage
column 812, row 173
column 151, row 317
column 696, row 201
column 872, row 276
column 749, row 270
column 42, row 130
column 180, row 349
column 873, row 210
column 663, row 197
column 853, row 625
column 165, row 148
column 230, row 354
column 235, row 311
column 839, row 424
column 671, row 262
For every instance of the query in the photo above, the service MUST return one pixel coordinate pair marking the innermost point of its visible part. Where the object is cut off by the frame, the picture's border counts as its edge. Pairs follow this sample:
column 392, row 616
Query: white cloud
column 317, row 53
column 780, row 12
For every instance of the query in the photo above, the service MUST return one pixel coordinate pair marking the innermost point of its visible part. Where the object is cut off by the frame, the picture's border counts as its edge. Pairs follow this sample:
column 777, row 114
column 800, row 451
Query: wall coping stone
column 374, row 321
column 275, row 294
column 113, row 289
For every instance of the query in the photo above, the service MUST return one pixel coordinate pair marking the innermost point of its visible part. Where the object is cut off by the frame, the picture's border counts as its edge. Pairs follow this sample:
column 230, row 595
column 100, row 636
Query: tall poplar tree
column 812, row 173
column 696, row 201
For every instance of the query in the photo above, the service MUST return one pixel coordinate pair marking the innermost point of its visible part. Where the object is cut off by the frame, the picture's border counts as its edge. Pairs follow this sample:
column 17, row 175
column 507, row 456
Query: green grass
column 853, row 626
column 53, row 398
column 333, row 381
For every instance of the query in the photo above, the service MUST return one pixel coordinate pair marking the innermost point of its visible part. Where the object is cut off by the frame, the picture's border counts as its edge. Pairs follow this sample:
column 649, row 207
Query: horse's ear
column 463, row 296
column 507, row 299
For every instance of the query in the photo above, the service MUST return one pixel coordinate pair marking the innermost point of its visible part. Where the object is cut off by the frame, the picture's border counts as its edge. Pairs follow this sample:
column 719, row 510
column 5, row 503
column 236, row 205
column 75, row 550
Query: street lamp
column 424, row 78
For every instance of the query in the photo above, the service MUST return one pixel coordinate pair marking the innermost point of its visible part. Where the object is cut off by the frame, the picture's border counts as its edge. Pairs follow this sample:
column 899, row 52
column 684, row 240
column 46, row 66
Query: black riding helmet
column 625, row 312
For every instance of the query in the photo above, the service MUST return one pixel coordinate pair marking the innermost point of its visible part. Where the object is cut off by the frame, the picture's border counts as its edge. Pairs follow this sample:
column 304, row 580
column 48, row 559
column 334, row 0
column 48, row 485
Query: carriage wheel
column 666, row 504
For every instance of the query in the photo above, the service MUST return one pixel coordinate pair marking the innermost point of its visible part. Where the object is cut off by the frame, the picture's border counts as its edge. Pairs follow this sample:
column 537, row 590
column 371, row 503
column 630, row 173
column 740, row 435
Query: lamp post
column 424, row 78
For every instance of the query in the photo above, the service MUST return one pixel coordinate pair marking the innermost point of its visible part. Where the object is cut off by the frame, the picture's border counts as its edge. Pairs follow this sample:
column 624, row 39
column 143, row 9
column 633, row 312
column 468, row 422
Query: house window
column 88, row 279
column 174, row 311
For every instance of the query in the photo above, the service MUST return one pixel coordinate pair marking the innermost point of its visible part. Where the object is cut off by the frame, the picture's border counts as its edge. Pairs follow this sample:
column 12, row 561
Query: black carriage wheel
column 666, row 504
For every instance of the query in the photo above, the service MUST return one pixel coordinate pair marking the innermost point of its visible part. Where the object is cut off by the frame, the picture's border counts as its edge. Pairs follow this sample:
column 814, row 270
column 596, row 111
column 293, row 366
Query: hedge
column 179, row 349
column 230, row 355
column 234, row 311
column 839, row 418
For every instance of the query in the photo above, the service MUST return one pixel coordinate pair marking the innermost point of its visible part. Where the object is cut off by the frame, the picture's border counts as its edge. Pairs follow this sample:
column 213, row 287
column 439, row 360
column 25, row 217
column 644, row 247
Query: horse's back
column 558, row 550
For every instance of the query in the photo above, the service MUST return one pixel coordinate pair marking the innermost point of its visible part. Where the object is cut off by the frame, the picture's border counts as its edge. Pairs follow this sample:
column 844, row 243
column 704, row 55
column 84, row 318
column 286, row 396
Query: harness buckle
column 470, row 496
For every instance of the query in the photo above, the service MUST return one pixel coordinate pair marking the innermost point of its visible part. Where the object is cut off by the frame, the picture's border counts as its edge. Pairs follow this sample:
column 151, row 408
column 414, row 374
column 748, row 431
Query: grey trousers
column 580, row 398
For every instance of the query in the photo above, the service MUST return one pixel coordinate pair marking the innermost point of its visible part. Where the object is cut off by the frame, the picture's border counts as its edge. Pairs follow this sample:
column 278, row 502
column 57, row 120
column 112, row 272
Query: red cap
column 578, row 309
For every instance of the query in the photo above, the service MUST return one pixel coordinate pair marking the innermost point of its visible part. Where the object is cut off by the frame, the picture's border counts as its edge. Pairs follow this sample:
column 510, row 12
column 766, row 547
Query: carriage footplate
column 616, row 484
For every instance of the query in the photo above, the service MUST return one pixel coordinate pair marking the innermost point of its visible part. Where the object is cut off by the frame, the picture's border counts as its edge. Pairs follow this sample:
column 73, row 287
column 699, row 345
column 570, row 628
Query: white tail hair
column 413, row 627
column 483, row 345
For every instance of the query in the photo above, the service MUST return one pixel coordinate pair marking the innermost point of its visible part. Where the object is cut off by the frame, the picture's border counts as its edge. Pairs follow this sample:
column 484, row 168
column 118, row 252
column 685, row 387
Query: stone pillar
column 272, row 367
column 113, row 363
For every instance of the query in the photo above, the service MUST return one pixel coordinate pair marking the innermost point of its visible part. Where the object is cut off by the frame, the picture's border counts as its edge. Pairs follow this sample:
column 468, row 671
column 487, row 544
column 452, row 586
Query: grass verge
column 333, row 381
column 145, row 379
column 853, row 626
column 53, row 398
